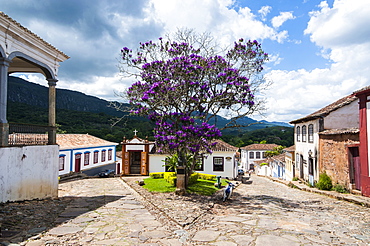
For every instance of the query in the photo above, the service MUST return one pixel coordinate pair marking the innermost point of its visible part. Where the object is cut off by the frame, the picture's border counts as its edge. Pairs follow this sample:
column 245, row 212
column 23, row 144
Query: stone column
column 4, row 126
column 52, row 105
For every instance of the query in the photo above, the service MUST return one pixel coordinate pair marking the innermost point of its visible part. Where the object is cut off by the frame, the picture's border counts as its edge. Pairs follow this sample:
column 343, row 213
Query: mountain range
column 19, row 92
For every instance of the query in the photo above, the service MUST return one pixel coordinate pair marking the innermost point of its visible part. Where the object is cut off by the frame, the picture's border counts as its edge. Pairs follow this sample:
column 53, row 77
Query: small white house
column 222, row 162
column 253, row 153
column 85, row 153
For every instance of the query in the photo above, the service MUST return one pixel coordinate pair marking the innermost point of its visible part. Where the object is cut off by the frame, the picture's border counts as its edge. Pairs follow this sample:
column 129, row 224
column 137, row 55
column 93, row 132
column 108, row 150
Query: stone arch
column 37, row 65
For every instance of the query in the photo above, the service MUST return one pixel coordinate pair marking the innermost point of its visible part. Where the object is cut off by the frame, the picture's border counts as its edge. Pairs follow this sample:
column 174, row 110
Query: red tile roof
column 223, row 146
column 340, row 131
column 328, row 109
column 260, row 147
column 70, row 141
column 290, row 149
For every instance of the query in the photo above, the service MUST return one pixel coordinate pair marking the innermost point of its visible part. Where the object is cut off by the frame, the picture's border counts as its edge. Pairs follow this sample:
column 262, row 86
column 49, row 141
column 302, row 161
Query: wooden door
column 126, row 163
column 354, row 167
column 77, row 163
column 357, row 166
column 118, row 168
column 144, row 161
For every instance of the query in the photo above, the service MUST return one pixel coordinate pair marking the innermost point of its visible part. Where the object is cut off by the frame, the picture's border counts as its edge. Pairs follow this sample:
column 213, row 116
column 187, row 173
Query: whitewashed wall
column 230, row 169
column 28, row 173
column 344, row 117
column 156, row 163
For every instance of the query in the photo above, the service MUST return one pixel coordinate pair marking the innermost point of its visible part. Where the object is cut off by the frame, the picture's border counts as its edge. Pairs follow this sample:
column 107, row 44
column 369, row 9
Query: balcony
column 25, row 135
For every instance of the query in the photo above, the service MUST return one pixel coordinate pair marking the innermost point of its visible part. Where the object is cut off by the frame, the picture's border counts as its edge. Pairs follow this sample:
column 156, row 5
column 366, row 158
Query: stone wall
column 334, row 157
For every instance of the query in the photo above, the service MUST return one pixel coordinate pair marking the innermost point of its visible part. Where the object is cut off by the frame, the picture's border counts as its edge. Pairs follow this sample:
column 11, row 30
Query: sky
column 319, row 50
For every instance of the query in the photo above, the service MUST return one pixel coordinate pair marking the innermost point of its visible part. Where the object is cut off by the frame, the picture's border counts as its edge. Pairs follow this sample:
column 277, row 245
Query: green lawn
column 201, row 187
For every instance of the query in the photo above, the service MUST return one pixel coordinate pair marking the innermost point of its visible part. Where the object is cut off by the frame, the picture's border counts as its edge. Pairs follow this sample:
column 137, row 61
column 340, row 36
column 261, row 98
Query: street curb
column 356, row 199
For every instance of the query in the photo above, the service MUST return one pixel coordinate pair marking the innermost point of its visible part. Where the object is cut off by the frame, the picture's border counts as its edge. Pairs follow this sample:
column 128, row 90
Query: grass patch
column 158, row 185
column 201, row 187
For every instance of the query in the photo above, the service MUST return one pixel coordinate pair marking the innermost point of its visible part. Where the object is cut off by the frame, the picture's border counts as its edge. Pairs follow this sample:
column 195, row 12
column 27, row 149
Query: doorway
column 77, row 163
column 354, row 167
column 135, row 161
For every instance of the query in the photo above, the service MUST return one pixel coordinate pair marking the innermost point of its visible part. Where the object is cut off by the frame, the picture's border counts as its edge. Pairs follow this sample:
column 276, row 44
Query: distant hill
column 18, row 91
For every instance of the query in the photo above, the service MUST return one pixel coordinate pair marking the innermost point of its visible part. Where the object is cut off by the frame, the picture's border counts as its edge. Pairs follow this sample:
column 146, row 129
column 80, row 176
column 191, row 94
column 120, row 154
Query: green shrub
column 168, row 176
column 324, row 182
column 340, row 188
column 205, row 176
column 157, row 175
column 172, row 180
column 193, row 178
column 295, row 179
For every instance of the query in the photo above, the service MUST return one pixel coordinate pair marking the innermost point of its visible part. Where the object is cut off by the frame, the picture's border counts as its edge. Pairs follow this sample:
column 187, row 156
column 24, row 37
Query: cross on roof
column 135, row 132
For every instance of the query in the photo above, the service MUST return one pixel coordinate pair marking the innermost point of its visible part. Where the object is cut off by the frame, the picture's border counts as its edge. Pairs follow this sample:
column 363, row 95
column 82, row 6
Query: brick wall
column 334, row 157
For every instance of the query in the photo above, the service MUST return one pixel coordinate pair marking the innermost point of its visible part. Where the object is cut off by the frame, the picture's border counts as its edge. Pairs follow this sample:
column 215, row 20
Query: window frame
column 96, row 156
column 62, row 157
column 304, row 133
column 310, row 133
column 251, row 154
column 86, row 158
column 110, row 154
column 298, row 132
column 258, row 155
column 103, row 155
column 220, row 166
column 201, row 168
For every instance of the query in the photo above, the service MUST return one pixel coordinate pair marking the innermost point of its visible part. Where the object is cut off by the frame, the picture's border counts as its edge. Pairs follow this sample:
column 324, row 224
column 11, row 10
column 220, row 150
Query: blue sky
column 319, row 50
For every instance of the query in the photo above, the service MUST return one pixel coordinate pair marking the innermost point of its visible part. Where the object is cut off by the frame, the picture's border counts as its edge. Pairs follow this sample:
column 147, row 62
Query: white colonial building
column 342, row 114
column 85, row 153
column 250, row 155
column 140, row 157
column 29, row 167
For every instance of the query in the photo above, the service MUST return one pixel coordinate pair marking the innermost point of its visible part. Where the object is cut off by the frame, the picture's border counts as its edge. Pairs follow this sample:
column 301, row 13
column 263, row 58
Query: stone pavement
column 260, row 213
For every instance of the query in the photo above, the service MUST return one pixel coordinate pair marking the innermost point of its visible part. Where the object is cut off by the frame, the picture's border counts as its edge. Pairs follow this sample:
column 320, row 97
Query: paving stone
column 223, row 243
column 155, row 234
column 64, row 230
column 233, row 219
column 275, row 240
column 206, row 236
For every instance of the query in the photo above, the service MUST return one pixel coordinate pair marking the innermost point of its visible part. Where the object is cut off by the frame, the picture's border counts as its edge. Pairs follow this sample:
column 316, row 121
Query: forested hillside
column 80, row 113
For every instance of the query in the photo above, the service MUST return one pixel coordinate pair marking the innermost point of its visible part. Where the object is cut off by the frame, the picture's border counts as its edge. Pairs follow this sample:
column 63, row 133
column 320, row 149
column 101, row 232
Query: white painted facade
column 29, row 172
column 253, row 154
column 90, row 157
column 307, row 148
column 303, row 148
column 230, row 166
column 344, row 117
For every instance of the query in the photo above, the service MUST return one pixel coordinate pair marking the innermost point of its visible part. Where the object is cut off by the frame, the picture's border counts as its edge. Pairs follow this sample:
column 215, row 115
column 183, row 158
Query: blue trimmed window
column 96, row 156
column 103, row 155
column 86, row 158
column 61, row 162
column 110, row 154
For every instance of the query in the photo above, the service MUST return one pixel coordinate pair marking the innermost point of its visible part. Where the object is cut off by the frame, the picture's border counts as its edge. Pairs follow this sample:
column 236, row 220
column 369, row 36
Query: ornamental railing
column 25, row 134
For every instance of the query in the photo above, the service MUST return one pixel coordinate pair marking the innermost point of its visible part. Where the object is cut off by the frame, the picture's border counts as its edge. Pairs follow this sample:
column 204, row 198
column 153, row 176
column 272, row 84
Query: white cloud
column 346, row 23
column 279, row 20
column 264, row 11
column 216, row 17
column 295, row 94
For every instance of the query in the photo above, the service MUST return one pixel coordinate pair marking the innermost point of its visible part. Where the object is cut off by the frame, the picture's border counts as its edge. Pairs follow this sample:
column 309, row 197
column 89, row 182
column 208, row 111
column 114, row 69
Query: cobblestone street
column 262, row 212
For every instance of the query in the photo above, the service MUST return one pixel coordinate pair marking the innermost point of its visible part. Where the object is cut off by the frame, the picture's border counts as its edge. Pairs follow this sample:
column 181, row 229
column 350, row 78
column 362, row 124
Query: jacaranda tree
column 182, row 90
